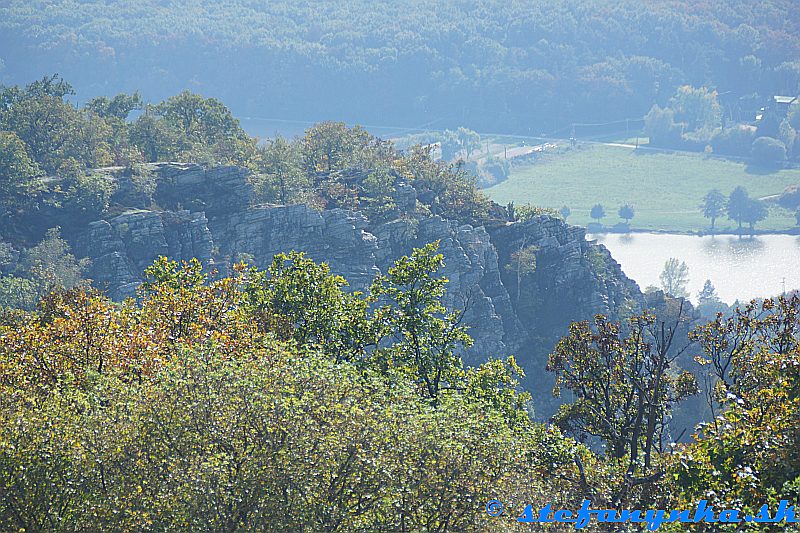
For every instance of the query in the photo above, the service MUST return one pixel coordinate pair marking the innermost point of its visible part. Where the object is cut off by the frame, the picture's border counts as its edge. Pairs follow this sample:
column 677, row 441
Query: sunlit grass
column 665, row 188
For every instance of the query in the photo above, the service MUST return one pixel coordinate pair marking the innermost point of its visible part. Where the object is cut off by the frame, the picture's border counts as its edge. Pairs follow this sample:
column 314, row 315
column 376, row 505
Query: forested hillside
column 510, row 66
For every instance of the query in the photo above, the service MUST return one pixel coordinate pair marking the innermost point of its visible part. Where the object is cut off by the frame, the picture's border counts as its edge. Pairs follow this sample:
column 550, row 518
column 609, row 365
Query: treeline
column 276, row 400
column 694, row 119
column 511, row 66
column 50, row 153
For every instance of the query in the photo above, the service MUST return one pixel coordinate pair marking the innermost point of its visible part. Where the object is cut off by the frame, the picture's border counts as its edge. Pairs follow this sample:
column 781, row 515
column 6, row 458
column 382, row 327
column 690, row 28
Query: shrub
column 768, row 151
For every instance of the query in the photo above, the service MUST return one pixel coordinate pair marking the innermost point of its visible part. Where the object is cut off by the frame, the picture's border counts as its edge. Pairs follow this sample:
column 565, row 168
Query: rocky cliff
column 209, row 214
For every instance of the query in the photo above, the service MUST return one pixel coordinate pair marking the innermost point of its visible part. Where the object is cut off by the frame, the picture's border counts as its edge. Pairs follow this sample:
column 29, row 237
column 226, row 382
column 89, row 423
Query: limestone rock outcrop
column 209, row 214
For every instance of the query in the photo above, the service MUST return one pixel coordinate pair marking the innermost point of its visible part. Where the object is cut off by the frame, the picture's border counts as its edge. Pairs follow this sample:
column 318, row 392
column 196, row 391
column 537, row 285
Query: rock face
column 208, row 214
column 122, row 247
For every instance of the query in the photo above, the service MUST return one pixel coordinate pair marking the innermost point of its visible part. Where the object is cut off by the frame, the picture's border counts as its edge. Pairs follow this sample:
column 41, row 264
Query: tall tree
column 698, row 108
column 738, row 204
column 624, row 388
column 708, row 303
column 280, row 168
column 713, row 205
column 426, row 336
column 752, row 447
column 755, row 212
column 468, row 140
column 675, row 277
column 330, row 146
column 17, row 170
column 523, row 263
column 660, row 127
column 208, row 128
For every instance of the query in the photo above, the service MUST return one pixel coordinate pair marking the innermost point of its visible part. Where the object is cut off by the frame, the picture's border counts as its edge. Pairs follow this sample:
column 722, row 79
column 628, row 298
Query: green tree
column 468, row 140
column 526, row 212
column 132, row 407
column 119, row 107
column 450, row 145
column 660, row 127
column 750, row 451
column 708, row 303
column 597, row 212
column 301, row 300
column 51, row 265
column 377, row 192
column 425, row 335
column 565, row 212
column 281, row 177
column 626, row 212
column 675, row 277
column 735, row 141
column 18, row 293
column 330, row 146
column 713, row 206
column 708, row 292
column 755, row 212
column 523, row 263
column 54, row 86
column 787, row 135
column 53, row 130
column 157, row 140
column 87, row 193
column 624, row 388
column 698, row 108
column 738, row 205
column 17, row 170
column 199, row 118
column 208, row 128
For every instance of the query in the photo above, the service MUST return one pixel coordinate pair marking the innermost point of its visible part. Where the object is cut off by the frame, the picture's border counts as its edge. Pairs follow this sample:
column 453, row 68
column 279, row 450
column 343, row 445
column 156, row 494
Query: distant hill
column 520, row 66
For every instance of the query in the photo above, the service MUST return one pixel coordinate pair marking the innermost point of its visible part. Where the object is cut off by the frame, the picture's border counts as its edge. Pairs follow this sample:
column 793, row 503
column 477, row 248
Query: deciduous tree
column 675, row 277
column 713, row 206
column 624, row 387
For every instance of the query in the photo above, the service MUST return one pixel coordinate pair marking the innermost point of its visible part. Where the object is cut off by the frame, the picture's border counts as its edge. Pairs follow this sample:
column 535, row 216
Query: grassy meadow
column 665, row 189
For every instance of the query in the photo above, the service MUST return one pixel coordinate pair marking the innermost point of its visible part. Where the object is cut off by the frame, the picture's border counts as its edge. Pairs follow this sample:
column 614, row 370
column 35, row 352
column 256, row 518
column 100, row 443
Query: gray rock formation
column 122, row 247
column 209, row 214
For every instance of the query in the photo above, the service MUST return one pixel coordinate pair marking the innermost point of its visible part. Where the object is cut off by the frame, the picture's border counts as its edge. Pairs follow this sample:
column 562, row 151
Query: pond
column 741, row 269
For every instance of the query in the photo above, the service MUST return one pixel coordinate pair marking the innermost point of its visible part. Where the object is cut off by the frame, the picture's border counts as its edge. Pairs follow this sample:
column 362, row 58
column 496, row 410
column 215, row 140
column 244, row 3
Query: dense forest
column 495, row 66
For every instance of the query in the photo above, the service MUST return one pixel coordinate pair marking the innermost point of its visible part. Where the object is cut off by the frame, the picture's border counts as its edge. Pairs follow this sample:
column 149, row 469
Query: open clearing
column 665, row 189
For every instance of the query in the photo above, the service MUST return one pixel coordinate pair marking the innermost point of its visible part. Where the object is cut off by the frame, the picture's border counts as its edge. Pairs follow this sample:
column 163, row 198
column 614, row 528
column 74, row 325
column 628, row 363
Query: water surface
column 739, row 268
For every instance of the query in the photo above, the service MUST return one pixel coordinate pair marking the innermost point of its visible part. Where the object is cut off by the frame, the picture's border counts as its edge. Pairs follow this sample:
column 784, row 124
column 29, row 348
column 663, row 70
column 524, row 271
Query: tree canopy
column 517, row 64
column 50, row 152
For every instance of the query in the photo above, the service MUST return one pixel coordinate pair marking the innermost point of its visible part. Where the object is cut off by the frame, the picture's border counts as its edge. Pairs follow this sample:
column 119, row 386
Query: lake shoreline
column 692, row 233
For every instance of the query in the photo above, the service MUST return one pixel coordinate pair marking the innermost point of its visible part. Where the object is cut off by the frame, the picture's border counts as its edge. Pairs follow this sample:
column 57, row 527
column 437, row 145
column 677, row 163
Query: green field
column 665, row 188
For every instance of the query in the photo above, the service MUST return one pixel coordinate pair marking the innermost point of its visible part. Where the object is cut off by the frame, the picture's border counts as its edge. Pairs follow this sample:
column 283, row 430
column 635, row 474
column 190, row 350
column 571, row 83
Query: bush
column 736, row 141
column 768, row 151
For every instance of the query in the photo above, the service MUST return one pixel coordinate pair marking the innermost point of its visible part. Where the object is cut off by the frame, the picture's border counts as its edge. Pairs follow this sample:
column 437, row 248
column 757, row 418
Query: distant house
column 783, row 102
column 780, row 104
